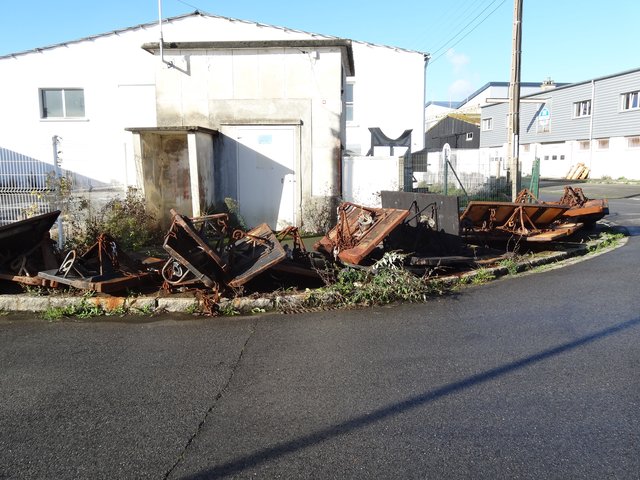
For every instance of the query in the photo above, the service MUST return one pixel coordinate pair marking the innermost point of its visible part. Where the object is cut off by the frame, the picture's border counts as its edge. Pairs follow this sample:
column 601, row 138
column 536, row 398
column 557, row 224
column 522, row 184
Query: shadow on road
column 262, row 456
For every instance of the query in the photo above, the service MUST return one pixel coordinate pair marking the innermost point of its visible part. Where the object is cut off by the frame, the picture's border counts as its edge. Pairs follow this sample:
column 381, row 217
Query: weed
column 482, row 276
column 147, row 310
column 386, row 282
column 125, row 219
column 35, row 290
column 228, row 310
column 193, row 309
column 511, row 264
column 606, row 240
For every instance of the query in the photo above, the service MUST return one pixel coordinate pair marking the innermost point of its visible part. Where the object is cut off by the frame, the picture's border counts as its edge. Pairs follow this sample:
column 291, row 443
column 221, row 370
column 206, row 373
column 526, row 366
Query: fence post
column 446, row 153
column 56, row 165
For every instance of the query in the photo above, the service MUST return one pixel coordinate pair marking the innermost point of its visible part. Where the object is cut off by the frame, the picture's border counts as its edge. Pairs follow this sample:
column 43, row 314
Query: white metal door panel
column 266, row 175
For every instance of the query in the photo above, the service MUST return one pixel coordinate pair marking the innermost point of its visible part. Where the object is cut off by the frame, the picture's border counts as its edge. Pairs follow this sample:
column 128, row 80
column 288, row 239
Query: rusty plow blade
column 204, row 250
column 359, row 231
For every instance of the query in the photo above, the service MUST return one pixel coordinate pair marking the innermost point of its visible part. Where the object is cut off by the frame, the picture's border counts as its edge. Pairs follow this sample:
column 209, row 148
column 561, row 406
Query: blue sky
column 470, row 40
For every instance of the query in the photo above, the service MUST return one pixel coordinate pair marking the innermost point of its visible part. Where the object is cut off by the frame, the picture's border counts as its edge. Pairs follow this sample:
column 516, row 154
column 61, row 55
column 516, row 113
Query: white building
column 223, row 108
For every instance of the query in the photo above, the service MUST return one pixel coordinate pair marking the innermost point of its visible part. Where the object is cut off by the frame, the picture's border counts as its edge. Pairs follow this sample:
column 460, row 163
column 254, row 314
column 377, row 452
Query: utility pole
column 513, row 128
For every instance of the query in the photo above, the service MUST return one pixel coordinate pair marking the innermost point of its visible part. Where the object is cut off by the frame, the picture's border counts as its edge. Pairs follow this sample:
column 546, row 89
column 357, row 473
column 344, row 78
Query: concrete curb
column 154, row 304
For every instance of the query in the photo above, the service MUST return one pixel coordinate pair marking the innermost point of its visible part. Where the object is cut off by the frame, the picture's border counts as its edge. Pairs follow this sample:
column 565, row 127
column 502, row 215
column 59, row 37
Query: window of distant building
column 487, row 124
column 582, row 109
column 469, row 136
column 633, row 142
column 348, row 100
column 603, row 144
column 526, row 148
column 584, row 144
column 61, row 103
column 630, row 101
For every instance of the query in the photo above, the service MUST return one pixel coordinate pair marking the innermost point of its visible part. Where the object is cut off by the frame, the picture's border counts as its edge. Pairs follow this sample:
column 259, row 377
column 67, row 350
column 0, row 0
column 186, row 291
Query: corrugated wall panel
column 609, row 120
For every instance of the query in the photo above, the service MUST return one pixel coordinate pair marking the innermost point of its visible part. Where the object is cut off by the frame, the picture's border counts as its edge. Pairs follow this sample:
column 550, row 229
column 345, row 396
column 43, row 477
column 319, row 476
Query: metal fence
column 464, row 173
column 25, row 186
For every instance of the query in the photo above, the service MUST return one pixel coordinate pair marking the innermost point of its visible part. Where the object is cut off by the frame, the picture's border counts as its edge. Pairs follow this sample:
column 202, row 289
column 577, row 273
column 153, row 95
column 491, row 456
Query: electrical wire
column 448, row 47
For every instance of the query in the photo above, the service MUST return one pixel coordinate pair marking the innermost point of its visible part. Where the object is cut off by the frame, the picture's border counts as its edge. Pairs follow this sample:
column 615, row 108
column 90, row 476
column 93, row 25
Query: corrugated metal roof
column 196, row 13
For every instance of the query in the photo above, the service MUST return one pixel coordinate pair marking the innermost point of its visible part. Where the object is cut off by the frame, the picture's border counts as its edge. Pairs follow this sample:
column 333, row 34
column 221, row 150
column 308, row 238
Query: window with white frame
column 633, row 142
column 526, row 147
column 469, row 136
column 487, row 124
column 348, row 100
column 584, row 144
column 603, row 144
column 58, row 103
column 582, row 109
column 630, row 101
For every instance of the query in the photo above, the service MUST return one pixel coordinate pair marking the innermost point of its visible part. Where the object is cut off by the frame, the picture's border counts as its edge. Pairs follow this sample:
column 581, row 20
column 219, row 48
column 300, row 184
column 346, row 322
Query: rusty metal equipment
column 531, row 221
column 196, row 246
column 359, row 231
column 103, row 268
column 26, row 248
column 204, row 250
column 581, row 208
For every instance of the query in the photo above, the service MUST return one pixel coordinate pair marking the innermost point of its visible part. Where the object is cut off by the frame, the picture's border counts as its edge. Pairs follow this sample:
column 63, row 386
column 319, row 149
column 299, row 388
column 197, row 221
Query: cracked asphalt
column 535, row 376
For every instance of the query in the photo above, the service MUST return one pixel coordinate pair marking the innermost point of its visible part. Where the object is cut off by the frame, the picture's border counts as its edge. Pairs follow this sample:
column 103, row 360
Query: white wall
column 615, row 162
column 117, row 78
column 388, row 93
column 365, row 177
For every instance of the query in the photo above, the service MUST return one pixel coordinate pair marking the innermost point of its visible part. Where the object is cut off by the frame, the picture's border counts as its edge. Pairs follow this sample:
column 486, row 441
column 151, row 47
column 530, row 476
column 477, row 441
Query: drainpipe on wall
column 170, row 64
column 427, row 57
column 593, row 94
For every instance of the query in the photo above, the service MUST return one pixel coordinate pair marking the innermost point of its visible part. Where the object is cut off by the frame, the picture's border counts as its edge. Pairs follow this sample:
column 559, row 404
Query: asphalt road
column 536, row 376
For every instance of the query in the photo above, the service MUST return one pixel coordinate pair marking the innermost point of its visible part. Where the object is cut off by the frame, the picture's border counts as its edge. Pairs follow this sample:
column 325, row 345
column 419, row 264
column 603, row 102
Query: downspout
column 170, row 64
column 593, row 94
column 427, row 57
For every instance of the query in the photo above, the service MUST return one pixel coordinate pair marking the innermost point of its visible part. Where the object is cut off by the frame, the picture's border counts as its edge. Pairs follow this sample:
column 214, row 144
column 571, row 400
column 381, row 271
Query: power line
column 446, row 46
column 468, row 33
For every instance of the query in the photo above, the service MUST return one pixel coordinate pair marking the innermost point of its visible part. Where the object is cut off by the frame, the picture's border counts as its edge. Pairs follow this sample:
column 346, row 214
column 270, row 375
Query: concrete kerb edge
column 31, row 303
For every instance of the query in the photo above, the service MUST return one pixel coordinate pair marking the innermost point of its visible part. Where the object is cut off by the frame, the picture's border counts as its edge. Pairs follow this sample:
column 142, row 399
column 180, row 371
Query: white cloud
column 457, row 60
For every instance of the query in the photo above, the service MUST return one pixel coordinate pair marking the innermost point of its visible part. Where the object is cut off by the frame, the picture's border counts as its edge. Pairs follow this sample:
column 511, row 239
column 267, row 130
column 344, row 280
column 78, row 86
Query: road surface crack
column 218, row 396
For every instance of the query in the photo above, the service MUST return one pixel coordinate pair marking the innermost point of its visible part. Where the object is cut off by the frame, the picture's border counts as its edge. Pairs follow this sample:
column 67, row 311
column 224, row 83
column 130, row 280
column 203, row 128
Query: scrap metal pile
column 205, row 252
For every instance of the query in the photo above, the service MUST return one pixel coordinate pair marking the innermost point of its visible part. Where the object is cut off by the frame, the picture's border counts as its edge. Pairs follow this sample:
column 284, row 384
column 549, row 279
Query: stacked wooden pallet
column 578, row 172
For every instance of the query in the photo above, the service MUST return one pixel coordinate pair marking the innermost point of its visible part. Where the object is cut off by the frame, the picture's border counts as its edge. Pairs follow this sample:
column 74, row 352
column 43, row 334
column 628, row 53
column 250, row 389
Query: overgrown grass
column 605, row 241
column 511, row 264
